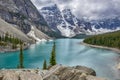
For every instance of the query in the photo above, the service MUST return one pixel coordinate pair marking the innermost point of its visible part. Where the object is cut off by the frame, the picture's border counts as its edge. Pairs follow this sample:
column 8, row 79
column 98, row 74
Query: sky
column 92, row 9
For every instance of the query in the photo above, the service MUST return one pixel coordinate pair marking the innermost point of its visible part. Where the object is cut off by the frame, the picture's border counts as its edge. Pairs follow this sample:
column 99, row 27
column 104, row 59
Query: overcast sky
column 92, row 9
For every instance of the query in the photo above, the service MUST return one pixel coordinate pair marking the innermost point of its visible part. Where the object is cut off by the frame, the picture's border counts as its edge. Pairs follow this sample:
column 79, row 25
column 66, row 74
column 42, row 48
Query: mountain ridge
column 67, row 24
column 24, row 15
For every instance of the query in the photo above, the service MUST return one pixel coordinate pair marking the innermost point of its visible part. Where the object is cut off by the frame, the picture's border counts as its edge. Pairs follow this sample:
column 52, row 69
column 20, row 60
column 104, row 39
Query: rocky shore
column 9, row 49
column 102, row 47
column 57, row 72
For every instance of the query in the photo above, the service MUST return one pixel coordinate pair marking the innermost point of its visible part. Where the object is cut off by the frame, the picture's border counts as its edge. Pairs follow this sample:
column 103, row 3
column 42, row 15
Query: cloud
column 93, row 9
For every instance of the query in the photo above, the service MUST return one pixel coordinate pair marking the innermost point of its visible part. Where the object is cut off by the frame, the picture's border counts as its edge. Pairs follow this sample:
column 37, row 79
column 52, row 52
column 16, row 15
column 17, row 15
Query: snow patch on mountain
column 101, row 30
column 32, row 34
column 64, row 28
column 67, row 24
column 65, row 31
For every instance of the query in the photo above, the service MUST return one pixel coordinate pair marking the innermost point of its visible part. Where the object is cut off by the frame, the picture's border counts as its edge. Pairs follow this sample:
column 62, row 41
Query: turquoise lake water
column 68, row 52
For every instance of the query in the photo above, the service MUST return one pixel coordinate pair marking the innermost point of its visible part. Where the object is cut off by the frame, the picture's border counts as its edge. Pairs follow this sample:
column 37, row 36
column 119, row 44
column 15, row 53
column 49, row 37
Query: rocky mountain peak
column 63, row 22
column 22, row 13
column 8, row 4
column 69, row 25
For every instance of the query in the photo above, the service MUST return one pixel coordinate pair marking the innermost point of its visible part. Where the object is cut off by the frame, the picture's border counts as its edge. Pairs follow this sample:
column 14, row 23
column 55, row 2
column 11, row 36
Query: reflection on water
column 69, row 52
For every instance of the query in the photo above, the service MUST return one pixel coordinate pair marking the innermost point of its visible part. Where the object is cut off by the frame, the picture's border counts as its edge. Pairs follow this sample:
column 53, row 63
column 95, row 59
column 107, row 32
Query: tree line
column 9, row 39
column 109, row 39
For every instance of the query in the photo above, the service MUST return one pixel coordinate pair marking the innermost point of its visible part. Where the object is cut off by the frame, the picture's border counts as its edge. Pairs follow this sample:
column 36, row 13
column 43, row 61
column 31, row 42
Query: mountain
column 6, row 27
column 23, row 14
column 67, row 24
column 51, row 20
column 106, row 25
column 63, row 22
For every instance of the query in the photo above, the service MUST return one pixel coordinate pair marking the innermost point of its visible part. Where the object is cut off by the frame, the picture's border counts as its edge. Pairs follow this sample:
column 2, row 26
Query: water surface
column 70, row 53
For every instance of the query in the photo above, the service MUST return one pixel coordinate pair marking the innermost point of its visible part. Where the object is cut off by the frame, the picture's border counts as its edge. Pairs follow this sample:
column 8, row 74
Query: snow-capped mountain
column 63, row 21
column 105, row 25
column 67, row 24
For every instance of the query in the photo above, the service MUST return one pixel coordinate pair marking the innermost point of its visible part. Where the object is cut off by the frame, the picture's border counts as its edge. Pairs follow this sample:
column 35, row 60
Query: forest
column 111, row 39
column 9, row 40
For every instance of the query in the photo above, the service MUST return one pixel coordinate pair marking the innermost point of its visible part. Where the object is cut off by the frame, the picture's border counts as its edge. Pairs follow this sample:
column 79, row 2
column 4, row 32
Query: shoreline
column 13, row 50
column 25, row 47
column 102, row 47
column 117, row 66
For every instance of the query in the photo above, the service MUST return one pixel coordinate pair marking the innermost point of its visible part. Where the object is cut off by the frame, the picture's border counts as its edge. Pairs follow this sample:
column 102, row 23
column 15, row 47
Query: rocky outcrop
column 30, row 76
column 19, row 75
column 10, row 76
column 57, row 72
column 70, row 73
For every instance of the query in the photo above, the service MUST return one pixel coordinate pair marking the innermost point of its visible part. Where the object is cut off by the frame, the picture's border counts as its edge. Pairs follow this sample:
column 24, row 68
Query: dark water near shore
column 69, row 52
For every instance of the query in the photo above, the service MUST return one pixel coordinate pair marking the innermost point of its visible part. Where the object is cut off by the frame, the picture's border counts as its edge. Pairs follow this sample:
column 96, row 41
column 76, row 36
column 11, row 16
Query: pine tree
column 45, row 65
column 6, row 36
column 53, row 56
column 21, row 57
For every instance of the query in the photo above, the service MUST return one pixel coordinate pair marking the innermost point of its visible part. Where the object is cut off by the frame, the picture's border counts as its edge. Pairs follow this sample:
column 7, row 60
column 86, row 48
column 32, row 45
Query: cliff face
column 22, row 13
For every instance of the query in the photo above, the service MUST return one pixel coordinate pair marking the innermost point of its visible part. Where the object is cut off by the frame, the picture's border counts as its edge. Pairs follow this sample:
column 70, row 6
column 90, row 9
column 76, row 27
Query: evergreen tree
column 21, row 57
column 109, row 39
column 6, row 36
column 53, row 56
column 45, row 65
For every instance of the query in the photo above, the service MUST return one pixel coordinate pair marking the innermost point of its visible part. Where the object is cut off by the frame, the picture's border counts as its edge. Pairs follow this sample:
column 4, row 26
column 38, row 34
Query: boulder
column 86, row 70
column 69, row 73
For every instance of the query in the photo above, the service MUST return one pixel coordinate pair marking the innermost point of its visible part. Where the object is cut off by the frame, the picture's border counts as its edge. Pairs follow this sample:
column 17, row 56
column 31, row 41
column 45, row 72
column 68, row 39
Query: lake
column 68, row 52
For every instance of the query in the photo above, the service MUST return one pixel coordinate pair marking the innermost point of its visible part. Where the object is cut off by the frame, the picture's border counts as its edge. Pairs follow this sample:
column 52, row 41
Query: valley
column 59, row 39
